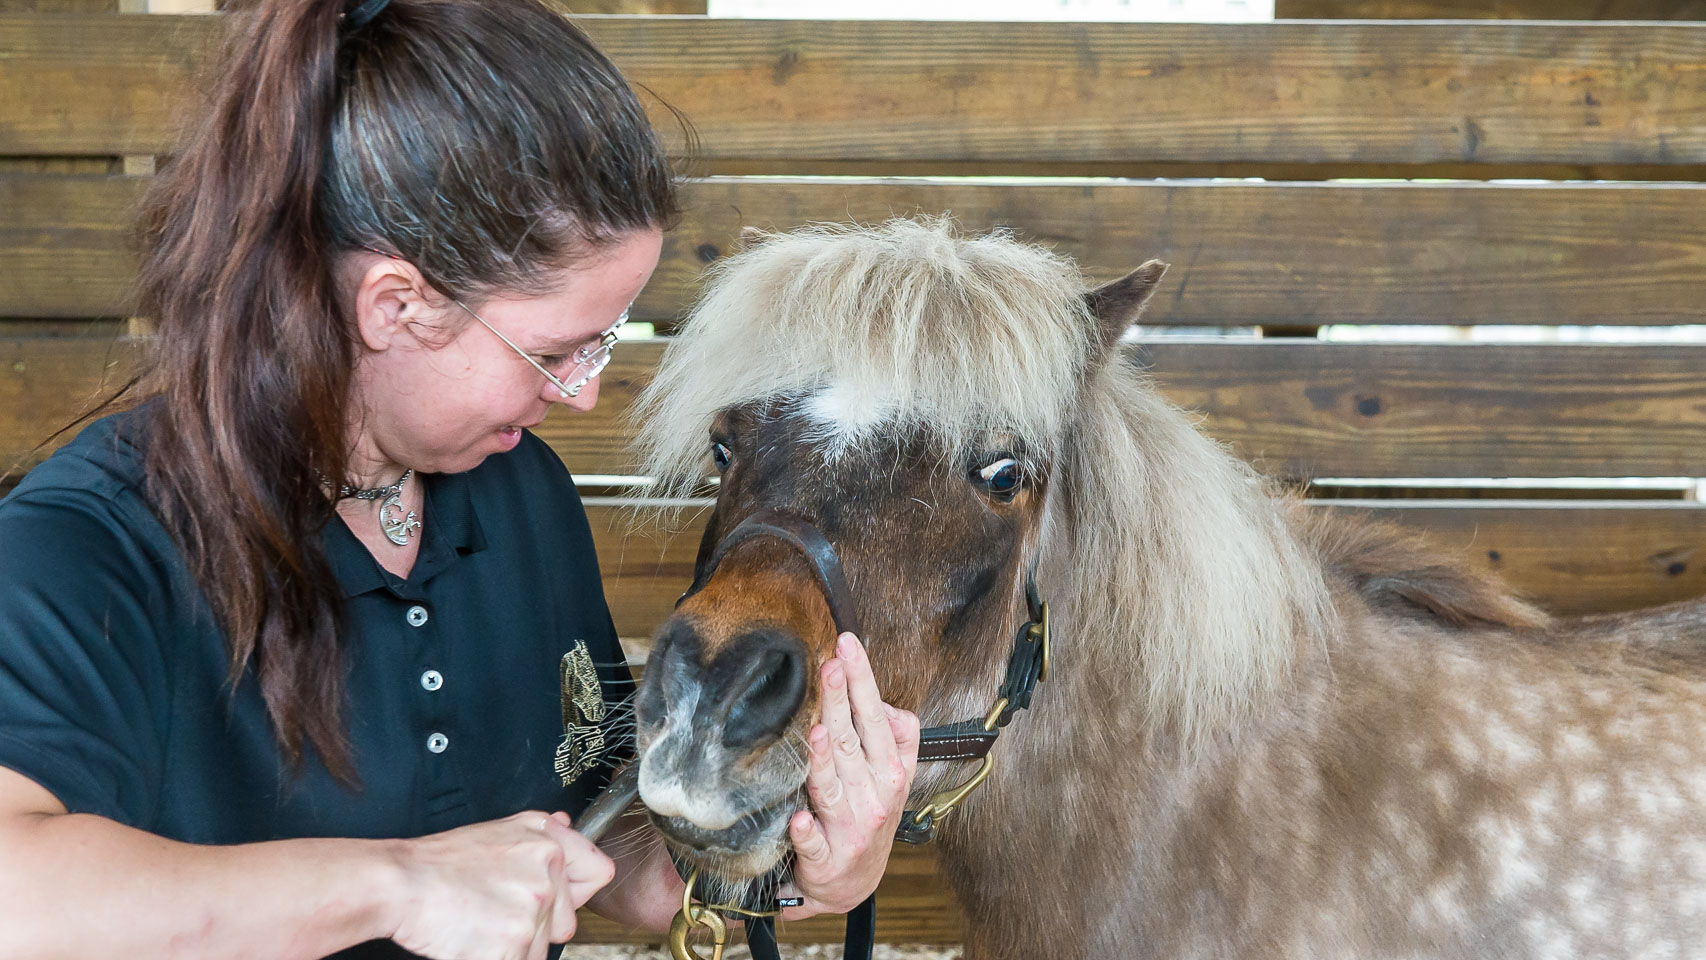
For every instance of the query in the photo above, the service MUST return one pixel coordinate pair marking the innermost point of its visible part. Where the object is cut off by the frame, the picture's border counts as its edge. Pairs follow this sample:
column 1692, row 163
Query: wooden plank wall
column 868, row 111
column 1490, row 9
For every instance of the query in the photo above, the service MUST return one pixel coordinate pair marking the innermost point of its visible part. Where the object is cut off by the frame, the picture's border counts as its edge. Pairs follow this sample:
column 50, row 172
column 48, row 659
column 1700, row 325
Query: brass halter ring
column 709, row 915
column 695, row 915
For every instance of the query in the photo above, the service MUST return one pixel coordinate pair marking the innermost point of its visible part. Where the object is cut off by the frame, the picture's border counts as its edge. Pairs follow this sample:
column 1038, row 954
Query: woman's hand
column 502, row 889
column 863, row 756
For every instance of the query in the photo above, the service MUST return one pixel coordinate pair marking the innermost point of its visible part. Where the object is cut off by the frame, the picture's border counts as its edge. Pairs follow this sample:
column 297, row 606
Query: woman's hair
column 488, row 142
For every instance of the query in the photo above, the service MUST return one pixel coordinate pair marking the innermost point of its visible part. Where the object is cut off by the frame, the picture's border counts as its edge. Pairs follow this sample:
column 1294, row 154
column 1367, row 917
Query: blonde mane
column 1175, row 561
column 1181, row 557
column 902, row 324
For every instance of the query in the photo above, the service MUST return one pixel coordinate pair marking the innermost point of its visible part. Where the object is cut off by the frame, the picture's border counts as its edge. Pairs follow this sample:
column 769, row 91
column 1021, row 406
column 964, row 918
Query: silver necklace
column 398, row 528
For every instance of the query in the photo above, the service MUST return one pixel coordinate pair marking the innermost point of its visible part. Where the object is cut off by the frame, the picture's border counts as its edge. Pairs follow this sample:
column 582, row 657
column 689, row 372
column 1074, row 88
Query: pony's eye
column 721, row 453
column 1001, row 478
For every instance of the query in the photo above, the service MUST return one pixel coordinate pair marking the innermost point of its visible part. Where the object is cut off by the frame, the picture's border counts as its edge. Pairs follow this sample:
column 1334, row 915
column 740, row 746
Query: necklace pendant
column 397, row 528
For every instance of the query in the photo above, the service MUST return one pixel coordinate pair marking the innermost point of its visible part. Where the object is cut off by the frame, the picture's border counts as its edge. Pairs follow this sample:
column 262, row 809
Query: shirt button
column 437, row 743
column 432, row 680
column 417, row 615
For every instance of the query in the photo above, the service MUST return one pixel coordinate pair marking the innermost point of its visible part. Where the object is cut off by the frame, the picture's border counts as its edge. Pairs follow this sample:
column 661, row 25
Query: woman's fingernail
column 846, row 647
column 833, row 676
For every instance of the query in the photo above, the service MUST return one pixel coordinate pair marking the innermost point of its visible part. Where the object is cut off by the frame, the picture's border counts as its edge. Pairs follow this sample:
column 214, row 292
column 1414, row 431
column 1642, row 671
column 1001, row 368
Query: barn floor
column 811, row 952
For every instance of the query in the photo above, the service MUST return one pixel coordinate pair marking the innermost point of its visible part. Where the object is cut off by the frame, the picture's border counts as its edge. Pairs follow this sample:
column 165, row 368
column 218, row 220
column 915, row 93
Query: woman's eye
column 720, row 452
column 552, row 359
column 1001, row 477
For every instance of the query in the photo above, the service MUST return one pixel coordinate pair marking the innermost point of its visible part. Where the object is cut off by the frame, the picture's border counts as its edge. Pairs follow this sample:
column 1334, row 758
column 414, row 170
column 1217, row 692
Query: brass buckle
column 696, row 915
column 944, row 803
column 1039, row 631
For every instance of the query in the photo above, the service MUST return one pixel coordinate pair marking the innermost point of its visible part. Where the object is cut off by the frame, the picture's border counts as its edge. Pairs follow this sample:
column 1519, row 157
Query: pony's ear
column 1116, row 305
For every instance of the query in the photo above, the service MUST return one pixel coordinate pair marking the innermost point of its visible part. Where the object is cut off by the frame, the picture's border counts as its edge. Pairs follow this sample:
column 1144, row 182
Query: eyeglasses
column 590, row 358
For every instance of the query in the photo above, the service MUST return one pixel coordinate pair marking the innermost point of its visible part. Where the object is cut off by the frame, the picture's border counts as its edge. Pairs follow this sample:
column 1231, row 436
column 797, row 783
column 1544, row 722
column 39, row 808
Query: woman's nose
column 580, row 403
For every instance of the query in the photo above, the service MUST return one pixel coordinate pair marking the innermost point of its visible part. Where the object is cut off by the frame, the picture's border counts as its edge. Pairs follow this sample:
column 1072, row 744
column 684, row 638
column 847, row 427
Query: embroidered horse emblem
column 583, row 712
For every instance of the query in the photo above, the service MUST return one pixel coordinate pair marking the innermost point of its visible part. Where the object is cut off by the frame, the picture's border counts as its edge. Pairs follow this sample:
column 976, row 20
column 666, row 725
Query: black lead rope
column 966, row 740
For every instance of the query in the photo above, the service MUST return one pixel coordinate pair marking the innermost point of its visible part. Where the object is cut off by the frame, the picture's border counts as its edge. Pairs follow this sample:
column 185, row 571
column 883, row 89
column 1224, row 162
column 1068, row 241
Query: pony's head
column 905, row 392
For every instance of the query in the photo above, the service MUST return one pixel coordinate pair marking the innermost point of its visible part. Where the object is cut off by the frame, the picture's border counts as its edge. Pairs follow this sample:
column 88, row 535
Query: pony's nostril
column 767, row 687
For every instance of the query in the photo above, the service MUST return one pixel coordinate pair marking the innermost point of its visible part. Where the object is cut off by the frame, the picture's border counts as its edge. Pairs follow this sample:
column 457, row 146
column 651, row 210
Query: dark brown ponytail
column 486, row 141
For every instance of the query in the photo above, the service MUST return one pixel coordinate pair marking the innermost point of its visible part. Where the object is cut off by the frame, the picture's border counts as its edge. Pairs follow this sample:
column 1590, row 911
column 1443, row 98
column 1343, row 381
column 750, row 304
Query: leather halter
column 967, row 740
column 802, row 536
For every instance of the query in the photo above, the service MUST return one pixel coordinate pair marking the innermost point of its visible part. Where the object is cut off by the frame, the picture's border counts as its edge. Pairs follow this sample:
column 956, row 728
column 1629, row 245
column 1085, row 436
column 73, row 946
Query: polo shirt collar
column 451, row 530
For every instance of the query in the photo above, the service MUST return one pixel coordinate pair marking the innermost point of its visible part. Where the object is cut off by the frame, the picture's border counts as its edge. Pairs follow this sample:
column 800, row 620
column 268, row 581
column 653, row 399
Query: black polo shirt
column 113, row 691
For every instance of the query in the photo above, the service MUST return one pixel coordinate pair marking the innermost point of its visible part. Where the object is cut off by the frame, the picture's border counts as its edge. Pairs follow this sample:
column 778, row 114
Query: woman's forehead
column 582, row 300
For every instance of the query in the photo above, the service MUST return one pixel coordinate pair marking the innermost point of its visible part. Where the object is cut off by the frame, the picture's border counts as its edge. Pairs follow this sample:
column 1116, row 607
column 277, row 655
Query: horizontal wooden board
column 1242, row 254
column 1571, row 556
column 631, row 7
column 10, row 166
column 1304, row 409
column 1488, row 92
column 65, row 244
column 1307, row 409
column 47, row 381
column 1299, row 409
column 1293, row 253
column 1176, row 169
column 1491, row 9
column 58, row 6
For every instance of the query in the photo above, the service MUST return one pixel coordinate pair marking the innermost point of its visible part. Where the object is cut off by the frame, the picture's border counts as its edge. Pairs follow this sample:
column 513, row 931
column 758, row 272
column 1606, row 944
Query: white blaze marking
column 847, row 410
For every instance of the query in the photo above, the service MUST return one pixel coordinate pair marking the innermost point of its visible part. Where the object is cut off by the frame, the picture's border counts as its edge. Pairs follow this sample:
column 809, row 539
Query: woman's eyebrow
column 561, row 344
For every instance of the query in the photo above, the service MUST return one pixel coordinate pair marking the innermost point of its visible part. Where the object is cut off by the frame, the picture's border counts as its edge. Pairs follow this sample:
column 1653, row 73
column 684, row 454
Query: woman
column 246, row 709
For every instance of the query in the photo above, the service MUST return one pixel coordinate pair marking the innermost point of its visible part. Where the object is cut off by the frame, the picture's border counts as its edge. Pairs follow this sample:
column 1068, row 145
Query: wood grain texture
column 1573, row 557
column 1242, row 254
column 65, row 244
column 10, row 166
column 58, row 6
column 1293, row 253
column 636, row 7
column 1489, row 92
column 1309, row 409
column 45, row 382
column 1298, row 409
column 1490, row 9
column 1177, row 170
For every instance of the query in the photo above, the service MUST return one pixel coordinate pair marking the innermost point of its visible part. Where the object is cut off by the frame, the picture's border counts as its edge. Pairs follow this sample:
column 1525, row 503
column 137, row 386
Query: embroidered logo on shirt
column 583, row 712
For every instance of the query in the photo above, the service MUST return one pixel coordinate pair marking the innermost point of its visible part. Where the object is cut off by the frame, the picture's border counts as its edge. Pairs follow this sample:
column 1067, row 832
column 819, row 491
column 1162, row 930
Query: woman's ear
column 1116, row 305
column 389, row 295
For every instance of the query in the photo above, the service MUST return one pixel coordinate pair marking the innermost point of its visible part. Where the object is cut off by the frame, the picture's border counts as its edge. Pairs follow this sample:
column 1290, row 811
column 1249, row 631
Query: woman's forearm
column 74, row 885
column 646, row 892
